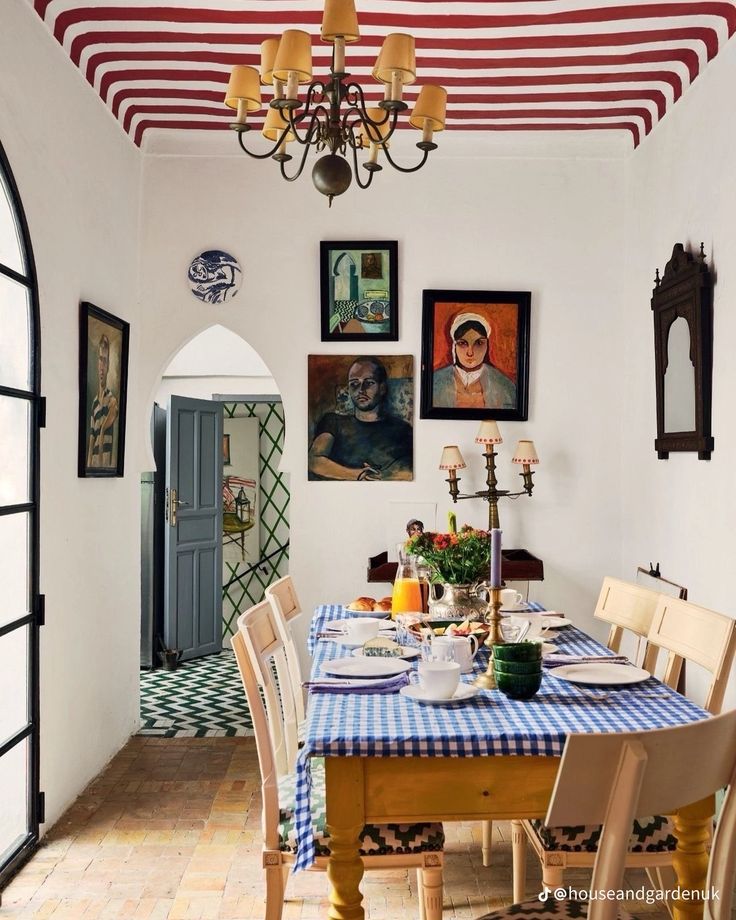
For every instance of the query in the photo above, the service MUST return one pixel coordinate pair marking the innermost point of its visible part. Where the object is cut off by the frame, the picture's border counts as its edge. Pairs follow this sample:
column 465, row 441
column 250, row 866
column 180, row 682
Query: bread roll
column 383, row 606
column 362, row 604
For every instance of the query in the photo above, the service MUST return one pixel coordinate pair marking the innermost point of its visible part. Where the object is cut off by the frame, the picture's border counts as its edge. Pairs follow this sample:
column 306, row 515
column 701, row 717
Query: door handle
column 172, row 505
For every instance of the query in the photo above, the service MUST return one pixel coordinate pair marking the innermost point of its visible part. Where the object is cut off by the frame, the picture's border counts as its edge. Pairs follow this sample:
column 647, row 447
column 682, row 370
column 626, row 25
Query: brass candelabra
column 487, row 681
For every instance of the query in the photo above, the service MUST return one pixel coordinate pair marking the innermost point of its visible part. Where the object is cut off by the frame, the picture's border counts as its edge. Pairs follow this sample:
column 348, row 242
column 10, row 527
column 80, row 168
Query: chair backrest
column 687, row 631
column 631, row 607
column 608, row 779
column 265, row 719
column 286, row 607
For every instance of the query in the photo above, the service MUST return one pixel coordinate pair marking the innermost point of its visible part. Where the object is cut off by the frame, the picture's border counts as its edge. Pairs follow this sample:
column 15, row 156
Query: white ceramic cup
column 439, row 679
column 511, row 600
column 361, row 629
column 461, row 649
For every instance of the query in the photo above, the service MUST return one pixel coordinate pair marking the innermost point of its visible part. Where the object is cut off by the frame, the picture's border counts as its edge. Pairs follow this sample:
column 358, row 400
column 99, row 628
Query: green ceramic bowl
column 518, row 667
column 518, row 651
column 518, row 686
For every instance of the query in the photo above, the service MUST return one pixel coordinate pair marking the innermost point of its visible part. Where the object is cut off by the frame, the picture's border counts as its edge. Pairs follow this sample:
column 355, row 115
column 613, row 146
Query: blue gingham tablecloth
column 390, row 725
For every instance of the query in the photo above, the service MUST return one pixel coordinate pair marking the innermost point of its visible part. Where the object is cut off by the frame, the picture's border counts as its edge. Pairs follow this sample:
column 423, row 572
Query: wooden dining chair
column 606, row 779
column 286, row 607
column 687, row 632
column 626, row 607
column 258, row 646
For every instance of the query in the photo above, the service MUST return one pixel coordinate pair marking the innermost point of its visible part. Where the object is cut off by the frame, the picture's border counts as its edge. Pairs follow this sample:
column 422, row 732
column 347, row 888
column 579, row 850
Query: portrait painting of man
column 360, row 417
column 475, row 353
column 103, row 364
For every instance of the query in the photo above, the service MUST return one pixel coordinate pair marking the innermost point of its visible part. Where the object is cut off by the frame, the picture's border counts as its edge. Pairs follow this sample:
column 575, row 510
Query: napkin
column 354, row 685
column 557, row 659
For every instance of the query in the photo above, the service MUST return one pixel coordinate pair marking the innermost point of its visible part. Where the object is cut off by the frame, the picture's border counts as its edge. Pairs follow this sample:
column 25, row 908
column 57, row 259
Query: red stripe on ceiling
column 706, row 36
column 143, row 126
column 688, row 58
column 191, row 78
column 725, row 11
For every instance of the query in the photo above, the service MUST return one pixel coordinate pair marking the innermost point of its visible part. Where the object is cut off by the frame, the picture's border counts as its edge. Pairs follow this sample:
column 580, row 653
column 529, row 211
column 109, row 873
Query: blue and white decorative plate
column 215, row 276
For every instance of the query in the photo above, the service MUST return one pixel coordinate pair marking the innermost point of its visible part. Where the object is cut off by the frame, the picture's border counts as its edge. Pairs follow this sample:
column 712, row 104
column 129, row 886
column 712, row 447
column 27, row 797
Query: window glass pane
column 15, row 364
column 13, row 799
column 11, row 253
column 15, row 595
column 15, row 420
column 13, row 682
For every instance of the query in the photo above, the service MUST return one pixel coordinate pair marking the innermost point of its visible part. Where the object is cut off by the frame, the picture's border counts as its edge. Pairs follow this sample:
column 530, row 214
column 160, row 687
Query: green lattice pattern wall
column 243, row 588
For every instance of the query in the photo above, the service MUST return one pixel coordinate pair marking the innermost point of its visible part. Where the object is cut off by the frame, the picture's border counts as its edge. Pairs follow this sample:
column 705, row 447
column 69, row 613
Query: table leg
column 345, row 821
column 690, row 859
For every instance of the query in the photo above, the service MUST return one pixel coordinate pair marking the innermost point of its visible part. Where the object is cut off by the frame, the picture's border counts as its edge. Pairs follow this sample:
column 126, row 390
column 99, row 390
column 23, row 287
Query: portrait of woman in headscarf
column 471, row 381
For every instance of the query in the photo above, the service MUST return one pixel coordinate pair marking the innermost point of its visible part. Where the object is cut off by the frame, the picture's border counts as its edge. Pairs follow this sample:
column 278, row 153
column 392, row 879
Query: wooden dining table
column 389, row 759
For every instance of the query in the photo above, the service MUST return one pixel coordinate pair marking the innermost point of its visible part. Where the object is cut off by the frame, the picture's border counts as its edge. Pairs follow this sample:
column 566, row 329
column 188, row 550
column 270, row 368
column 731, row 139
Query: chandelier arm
column 356, row 171
column 405, row 169
column 307, row 140
column 305, row 152
column 259, row 156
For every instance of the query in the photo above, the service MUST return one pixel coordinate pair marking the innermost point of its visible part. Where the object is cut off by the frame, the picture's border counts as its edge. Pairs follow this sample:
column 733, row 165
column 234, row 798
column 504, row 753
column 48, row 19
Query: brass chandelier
column 332, row 115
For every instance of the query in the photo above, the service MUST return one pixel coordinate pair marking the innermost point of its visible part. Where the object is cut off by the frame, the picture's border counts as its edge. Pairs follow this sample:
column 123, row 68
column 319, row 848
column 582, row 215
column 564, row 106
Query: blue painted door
column 193, row 569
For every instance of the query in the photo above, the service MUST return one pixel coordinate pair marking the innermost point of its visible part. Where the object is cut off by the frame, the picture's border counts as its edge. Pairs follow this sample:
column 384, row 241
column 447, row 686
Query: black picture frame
column 684, row 292
column 340, row 318
column 506, row 316
column 94, row 457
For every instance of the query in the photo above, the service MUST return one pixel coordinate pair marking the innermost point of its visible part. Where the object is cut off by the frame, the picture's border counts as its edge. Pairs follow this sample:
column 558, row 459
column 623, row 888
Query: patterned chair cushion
column 376, row 839
column 550, row 909
column 649, row 835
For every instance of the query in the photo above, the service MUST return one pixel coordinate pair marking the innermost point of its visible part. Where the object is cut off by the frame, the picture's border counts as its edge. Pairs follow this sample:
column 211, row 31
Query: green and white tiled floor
column 201, row 698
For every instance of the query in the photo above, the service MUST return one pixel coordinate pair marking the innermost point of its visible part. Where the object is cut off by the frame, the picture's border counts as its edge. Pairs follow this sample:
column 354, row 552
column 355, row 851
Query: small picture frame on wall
column 475, row 355
column 359, row 291
column 103, row 391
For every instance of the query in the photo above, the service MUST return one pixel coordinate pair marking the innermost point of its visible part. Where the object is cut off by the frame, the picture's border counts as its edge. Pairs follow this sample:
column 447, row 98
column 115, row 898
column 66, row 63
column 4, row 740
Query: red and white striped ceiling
column 508, row 65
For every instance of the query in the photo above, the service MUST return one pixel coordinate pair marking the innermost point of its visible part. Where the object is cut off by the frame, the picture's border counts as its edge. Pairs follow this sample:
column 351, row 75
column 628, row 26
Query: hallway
column 171, row 831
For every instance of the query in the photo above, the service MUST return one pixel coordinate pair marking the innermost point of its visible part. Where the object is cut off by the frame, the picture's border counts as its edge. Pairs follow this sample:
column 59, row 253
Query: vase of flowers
column 458, row 564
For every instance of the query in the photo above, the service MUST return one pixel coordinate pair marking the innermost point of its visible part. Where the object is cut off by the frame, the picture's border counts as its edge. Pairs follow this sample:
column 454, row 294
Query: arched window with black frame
column 21, row 607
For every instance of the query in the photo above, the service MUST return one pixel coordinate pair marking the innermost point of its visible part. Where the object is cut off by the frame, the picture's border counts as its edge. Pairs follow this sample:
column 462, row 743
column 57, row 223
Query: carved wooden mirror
column 683, row 351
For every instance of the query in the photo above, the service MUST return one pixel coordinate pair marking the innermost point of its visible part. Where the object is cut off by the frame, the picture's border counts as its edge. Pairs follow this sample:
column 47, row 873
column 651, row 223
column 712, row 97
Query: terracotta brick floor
column 171, row 829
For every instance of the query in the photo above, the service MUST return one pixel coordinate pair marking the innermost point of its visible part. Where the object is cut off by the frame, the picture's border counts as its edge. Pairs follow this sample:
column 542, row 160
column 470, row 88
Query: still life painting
column 359, row 291
column 103, row 385
column 360, row 411
column 475, row 354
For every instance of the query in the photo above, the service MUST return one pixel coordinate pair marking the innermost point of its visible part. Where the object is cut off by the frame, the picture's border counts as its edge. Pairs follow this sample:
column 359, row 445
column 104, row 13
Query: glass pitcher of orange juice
column 407, row 595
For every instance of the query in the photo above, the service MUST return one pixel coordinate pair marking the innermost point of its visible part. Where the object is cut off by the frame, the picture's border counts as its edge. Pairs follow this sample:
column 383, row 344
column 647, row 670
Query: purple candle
column 495, row 558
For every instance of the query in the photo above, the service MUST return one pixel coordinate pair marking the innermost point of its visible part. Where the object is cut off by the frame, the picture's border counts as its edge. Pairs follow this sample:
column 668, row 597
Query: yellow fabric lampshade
column 274, row 126
column 375, row 134
column 294, row 55
column 340, row 19
column 269, row 48
column 430, row 106
column 244, row 85
column 396, row 56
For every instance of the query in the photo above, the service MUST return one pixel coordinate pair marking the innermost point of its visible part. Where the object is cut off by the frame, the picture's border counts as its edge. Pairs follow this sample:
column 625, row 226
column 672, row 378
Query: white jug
column 461, row 649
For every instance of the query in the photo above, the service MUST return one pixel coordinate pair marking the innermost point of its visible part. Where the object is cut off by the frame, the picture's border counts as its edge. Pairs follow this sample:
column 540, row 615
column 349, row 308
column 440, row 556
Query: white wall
column 541, row 224
column 78, row 177
column 682, row 188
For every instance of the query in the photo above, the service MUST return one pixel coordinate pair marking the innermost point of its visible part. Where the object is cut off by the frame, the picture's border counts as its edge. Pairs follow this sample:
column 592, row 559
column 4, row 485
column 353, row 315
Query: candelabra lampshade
column 243, row 89
column 397, row 57
column 525, row 453
column 275, row 125
column 451, row 458
column 429, row 109
column 340, row 21
column 294, row 56
column 488, row 433
column 269, row 48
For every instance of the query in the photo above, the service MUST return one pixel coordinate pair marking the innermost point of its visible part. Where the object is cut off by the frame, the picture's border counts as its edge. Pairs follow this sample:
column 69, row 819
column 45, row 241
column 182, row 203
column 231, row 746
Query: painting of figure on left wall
column 103, row 386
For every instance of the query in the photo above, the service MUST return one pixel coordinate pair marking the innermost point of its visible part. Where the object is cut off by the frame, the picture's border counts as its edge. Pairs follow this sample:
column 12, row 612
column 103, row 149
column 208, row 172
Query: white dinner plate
column 416, row 693
column 380, row 614
column 347, row 642
column 548, row 648
column 365, row 667
column 338, row 627
column 519, row 608
column 600, row 673
column 407, row 653
column 554, row 622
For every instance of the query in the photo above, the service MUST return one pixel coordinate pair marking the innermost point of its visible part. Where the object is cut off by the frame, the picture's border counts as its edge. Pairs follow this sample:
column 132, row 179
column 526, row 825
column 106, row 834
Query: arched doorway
column 219, row 367
column 21, row 615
